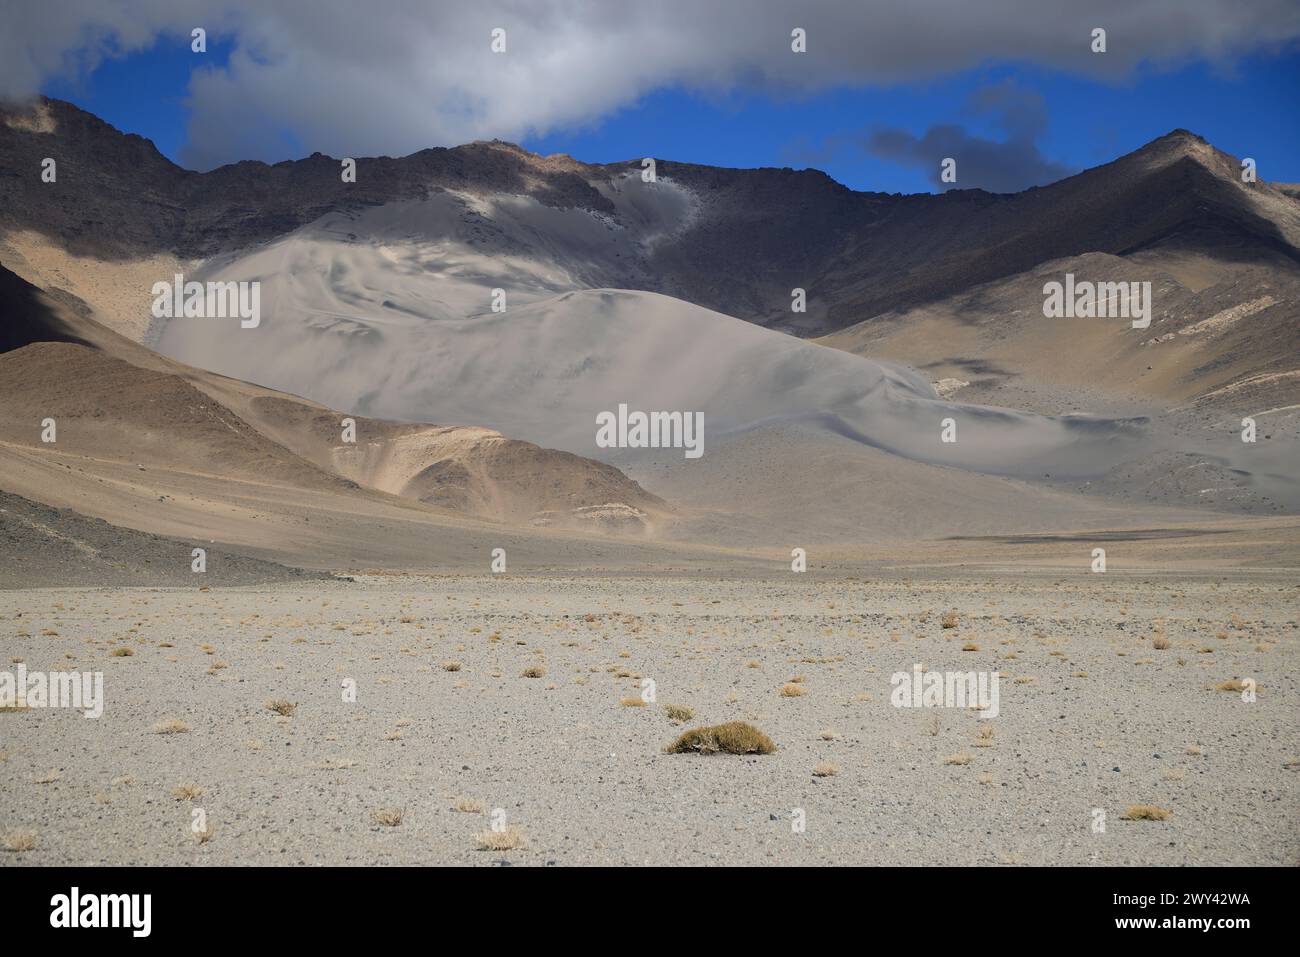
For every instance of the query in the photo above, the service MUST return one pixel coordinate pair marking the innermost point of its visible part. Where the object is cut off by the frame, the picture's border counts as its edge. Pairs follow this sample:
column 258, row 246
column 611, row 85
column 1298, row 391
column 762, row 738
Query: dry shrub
column 510, row 839
column 1145, row 812
column 734, row 737
column 19, row 842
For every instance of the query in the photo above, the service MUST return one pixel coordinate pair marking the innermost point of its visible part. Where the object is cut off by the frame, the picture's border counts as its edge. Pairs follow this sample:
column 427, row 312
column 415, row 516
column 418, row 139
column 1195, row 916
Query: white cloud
column 394, row 76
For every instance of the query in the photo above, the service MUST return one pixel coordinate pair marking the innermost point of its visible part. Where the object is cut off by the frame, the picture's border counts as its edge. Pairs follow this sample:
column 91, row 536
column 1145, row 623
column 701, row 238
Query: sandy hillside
column 543, row 372
column 115, row 401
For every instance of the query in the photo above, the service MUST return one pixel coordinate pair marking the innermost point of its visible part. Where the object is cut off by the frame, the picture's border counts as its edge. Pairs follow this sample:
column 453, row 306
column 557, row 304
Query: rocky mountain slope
column 736, row 241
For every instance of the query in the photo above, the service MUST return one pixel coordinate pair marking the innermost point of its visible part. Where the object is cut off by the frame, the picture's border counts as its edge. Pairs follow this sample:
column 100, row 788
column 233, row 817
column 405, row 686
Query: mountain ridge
column 765, row 231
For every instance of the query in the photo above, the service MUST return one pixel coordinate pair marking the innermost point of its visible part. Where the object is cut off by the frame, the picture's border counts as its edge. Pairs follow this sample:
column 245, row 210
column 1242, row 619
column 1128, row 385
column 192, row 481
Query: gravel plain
column 1109, row 699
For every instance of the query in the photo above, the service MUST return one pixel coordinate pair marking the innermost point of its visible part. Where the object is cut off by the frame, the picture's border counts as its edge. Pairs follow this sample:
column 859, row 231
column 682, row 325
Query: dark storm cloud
column 359, row 79
column 999, row 166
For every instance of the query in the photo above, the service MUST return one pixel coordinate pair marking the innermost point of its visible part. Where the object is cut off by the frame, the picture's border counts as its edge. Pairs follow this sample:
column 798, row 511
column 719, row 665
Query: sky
column 884, row 92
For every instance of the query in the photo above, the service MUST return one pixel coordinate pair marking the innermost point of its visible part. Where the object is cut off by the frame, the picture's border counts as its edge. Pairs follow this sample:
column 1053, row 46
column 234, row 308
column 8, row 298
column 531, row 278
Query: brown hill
column 112, row 399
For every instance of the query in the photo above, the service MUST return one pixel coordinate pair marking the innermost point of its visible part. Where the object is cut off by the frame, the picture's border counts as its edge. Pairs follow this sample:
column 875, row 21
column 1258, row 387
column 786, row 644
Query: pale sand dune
column 377, row 341
column 796, row 485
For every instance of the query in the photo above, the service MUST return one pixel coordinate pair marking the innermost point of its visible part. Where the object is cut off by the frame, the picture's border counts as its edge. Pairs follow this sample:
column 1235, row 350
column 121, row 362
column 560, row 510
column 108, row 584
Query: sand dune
column 545, row 368
column 114, row 401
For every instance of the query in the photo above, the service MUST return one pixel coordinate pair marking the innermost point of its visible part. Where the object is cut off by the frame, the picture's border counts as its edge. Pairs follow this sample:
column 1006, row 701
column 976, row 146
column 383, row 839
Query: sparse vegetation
column 387, row 816
column 171, row 726
column 734, row 737
column 679, row 712
column 1145, row 812
column 283, row 708
column 825, row 770
column 792, row 690
column 511, row 839
column 19, row 842
column 187, row 792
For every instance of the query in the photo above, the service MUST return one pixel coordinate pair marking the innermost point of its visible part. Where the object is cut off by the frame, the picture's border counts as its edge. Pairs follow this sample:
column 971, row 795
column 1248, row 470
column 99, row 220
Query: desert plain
column 519, row 701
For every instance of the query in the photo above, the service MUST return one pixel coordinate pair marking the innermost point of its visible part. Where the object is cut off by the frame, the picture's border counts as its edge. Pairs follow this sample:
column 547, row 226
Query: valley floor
column 1108, row 700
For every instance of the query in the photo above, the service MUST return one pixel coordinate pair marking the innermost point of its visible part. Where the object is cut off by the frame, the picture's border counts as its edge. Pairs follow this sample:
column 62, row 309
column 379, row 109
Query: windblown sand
column 1095, row 714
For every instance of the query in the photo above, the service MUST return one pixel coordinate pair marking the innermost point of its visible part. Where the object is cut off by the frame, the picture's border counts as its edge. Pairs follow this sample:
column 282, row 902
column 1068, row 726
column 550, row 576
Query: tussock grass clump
column 171, row 726
column 187, row 792
column 1160, row 642
column 468, row 806
column 792, row 690
column 19, row 842
column 825, row 770
column 679, row 712
column 282, row 707
column 387, row 816
column 1236, row 684
column 949, row 619
column 122, row 652
column 534, row 671
column 633, row 702
column 734, row 737
column 450, row 666
column 1145, row 812
column 511, row 839
column 958, row 759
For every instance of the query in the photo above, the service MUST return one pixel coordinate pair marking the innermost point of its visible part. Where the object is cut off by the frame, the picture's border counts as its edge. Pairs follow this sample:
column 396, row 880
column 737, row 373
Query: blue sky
column 1247, row 109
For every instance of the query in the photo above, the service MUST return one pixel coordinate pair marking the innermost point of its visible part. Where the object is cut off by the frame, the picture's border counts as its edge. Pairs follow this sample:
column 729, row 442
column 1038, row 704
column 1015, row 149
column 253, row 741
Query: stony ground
column 1109, row 699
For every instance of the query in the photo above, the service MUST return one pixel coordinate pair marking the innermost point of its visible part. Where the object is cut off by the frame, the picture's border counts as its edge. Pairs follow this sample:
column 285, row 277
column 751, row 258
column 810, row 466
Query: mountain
column 735, row 241
column 513, row 298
